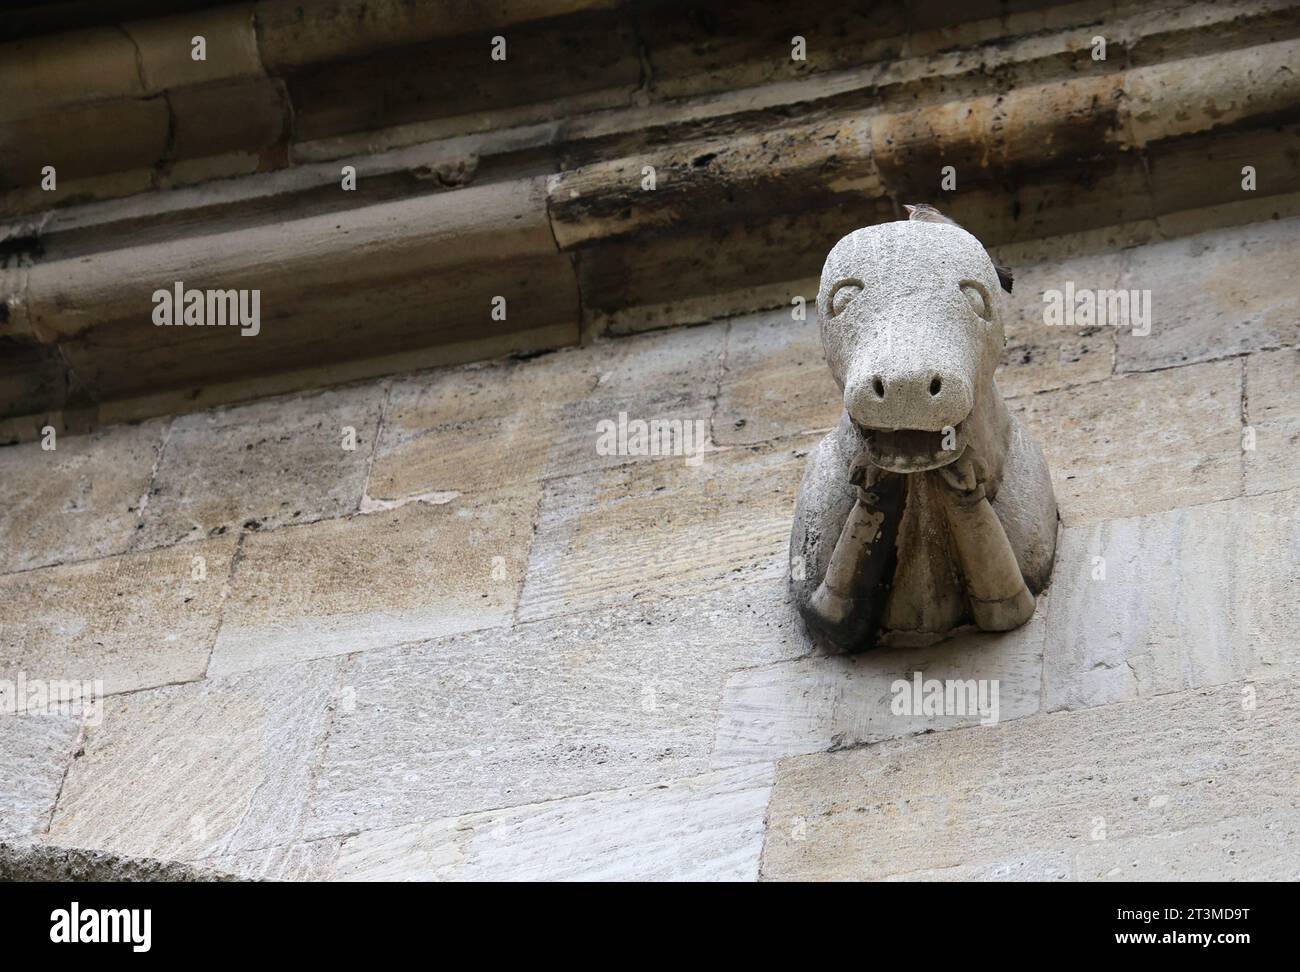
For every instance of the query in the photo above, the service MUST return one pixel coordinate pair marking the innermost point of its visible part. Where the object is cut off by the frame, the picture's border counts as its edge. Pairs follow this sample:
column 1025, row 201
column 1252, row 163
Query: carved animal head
column 911, row 320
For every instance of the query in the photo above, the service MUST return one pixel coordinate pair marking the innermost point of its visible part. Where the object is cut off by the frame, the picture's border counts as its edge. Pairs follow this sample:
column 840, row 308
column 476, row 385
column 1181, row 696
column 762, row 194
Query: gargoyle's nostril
column 879, row 385
column 935, row 385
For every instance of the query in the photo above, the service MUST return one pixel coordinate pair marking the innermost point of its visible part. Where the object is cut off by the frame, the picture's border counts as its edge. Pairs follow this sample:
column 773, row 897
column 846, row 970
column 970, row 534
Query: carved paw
column 965, row 476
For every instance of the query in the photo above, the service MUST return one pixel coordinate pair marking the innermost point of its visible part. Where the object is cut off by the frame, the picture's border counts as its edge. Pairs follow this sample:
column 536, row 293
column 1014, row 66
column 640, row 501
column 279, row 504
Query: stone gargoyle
column 928, row 508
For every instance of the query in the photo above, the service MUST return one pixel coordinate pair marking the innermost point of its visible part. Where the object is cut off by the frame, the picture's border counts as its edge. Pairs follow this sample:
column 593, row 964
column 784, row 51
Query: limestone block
column 304, row 861
column 1246, row 848
column 31, row 198
column 703, row 828
column 592, row 63
column 1189, row 598
column 704, row 182
column 165, row 53
column 82, row 141
column 830, row 702
column 463, row 429
column 717, row 49
column 317, row 256
column 78, row 501
column 291, row 35
column 662, row 528
column 40, row 73
column 45, row 862
column 200, row 771
column 1214, row 91
column 1056, row 865
column 1141, row 443
column 261, row 466
column 1213, row 295
column 1031, row 128
column 205, row 125
column 416, row 572
column 35, row 751
column 438, row 276
column 1039, row 356
column 1034, row 786
column 1273, row 411
column 1090, row 194
column 1199, row 171
column 594, row 701
column 775, row 381
column 649, row 281
column 939, row 26
column 133, row 621
column 436, row 317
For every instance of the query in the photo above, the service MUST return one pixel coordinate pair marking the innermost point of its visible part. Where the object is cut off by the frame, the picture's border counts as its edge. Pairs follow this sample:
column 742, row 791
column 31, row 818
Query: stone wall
column 525, row 178
column 475, row 646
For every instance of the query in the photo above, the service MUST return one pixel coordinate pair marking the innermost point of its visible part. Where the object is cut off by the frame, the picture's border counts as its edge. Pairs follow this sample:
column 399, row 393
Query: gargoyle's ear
column 1005, row 276
column 910, row 209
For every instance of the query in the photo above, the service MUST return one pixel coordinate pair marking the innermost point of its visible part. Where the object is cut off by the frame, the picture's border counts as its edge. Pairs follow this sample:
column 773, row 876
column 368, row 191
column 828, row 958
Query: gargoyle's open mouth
column 915, row 450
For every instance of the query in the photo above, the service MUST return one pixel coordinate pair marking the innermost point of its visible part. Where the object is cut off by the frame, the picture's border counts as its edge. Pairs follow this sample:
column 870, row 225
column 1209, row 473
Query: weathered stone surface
column 163, row 48
column 492, row 719
column 195, row 772
column 292, row 35
column 659, row 528
column 1214, row 295
column 261, row 466
column 128, row 136
column 704, row 828
column 132, row 621
column 774, row 381
column 590, row 63
column 1272, row 402
column 206, row 134
column 1198, row 172
column 464, row 429
column 1219, row 90
column 661, row 280
column 1141, row 443
column 93, row 65
column 78, row 501
column 338, row 586
column 1034, row 786
column 39, row 862
column 1247, row 848
column 419, row 270
column 705, row 182
column 1039, row 357
column 830, row 702
column 305, row 861
column 1189, row 598
column 716, row 49
column 35, row 751
column 1037, row 126
column 1055, row 865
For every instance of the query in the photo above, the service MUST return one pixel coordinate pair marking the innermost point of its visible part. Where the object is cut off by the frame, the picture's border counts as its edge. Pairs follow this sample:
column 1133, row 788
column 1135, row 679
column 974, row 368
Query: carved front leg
column 848, row 603
column 999, row 599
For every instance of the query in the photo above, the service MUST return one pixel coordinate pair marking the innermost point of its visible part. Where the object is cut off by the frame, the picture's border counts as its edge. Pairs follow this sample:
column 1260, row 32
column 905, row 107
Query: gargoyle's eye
column 979, row 300
column 843, row 295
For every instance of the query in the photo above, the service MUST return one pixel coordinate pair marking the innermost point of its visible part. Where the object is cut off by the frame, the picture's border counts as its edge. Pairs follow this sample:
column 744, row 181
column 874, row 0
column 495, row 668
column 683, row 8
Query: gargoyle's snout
column 913, row 417
column 908, row 398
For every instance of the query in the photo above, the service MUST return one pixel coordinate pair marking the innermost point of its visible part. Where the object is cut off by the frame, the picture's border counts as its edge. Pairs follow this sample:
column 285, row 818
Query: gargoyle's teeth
column 915, row 450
